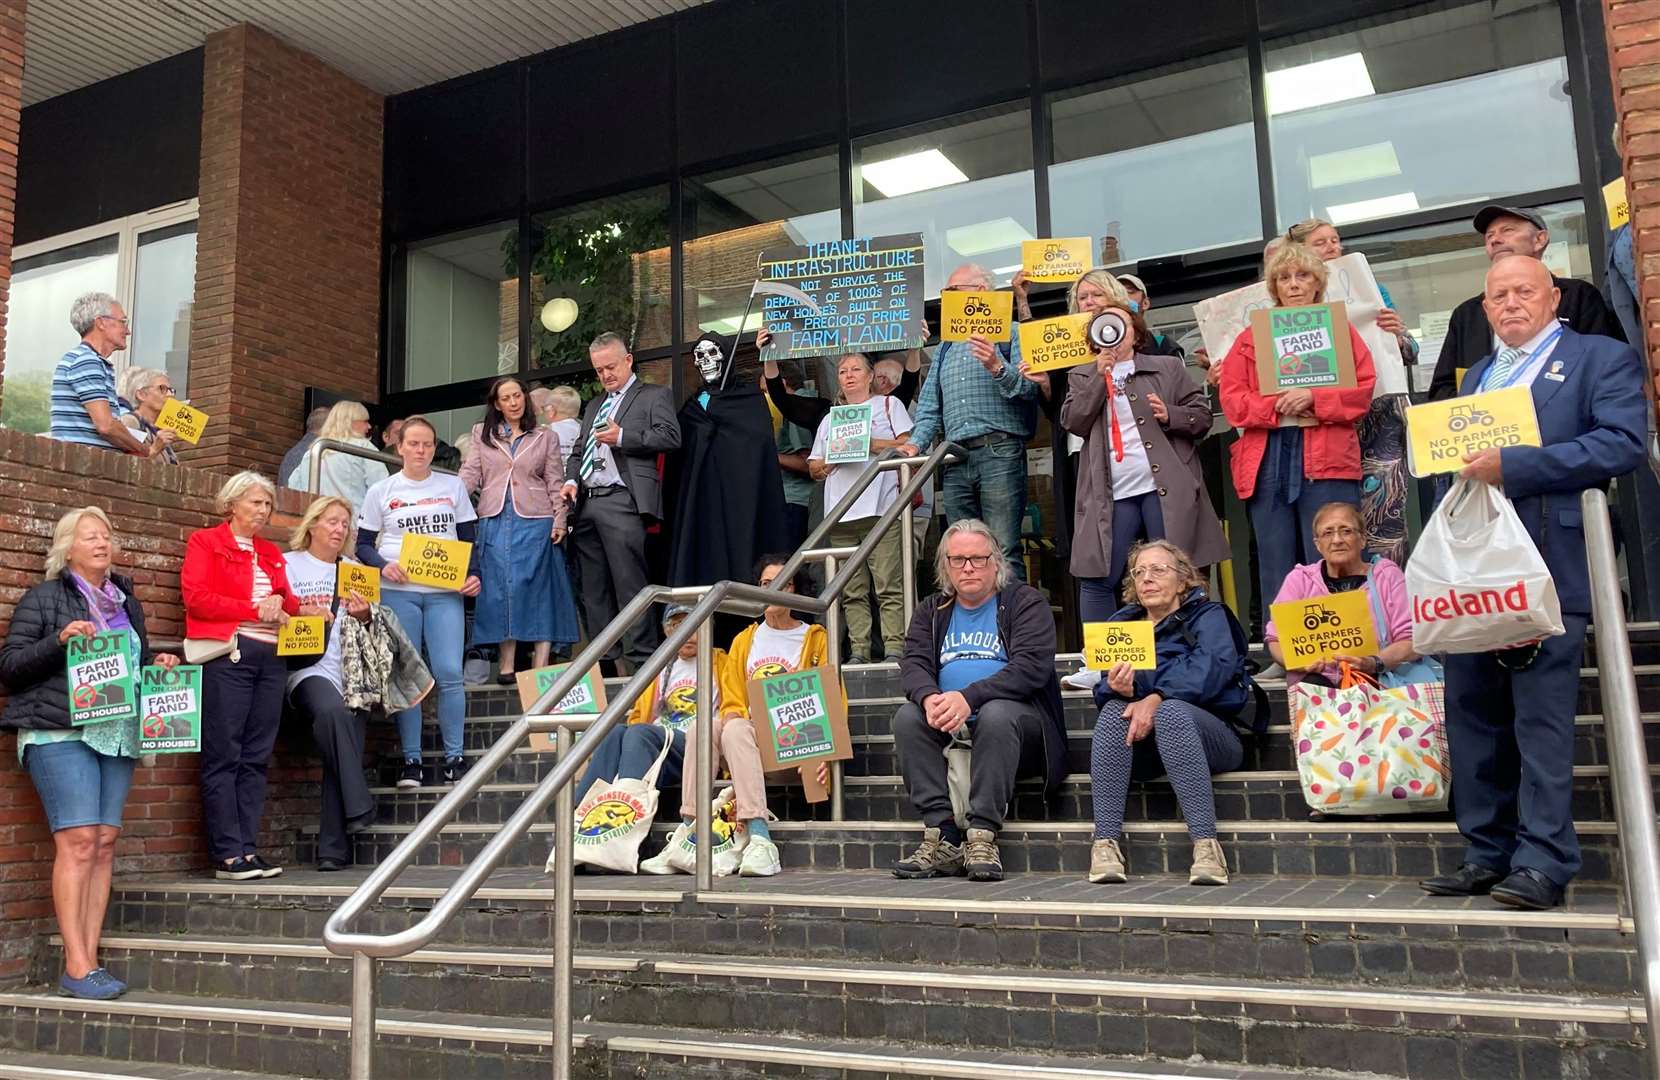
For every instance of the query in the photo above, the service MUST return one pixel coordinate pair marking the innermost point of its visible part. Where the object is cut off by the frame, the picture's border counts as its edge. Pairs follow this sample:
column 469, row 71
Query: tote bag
column 1362, row 749
column 613, row 819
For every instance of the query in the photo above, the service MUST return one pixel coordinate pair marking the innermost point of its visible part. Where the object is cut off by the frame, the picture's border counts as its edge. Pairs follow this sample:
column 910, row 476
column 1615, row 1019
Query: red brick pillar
column 11, row 108
column 1634, row 65
column 288, row 245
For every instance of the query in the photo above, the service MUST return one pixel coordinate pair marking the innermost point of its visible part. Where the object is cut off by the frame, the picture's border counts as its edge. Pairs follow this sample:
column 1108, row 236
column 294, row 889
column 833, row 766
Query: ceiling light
column 1306, row 86
column 559, row 313
column 911, row 172
column 1353, row 165
column 1367, row 209
column 999, row 235
column 999, row 271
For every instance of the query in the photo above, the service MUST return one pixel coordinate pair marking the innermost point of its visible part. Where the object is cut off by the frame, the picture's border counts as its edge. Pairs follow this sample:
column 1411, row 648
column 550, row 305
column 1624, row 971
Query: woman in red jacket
column 1297, row 449
column 236, row 597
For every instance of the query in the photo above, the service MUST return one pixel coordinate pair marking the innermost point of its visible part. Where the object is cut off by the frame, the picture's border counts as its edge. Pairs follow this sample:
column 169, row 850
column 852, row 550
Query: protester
column 795, row 442
column 147, row 390
column 898, row 378
column 889, row 424
column 1141, row 304
column 976, row 396
column 612, row 481
column 564, row 415
column 517, row 471
column 1283, row 471
column 464, row 444
column 1510, row 715
column 979, row 661
column 85, row 407
column 390, row 435
column 291, row 458
column 1188, row 704
column 344, row 476
column 1510, row 230
column 82, row 774
column 316, row 686
column 1323, row 237
column 419, row 502
column 236, row 597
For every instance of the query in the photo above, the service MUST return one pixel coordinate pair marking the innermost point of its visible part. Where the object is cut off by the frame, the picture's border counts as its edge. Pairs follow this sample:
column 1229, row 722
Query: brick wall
column 1634, row 61
column 154, row 509
column 11, row 89
column 288, row 245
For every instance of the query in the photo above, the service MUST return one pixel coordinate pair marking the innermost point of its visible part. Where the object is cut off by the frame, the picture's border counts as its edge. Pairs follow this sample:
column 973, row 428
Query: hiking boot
column 980, row 858
column 1106, row 863
column 935, row 858
column 1210, row 866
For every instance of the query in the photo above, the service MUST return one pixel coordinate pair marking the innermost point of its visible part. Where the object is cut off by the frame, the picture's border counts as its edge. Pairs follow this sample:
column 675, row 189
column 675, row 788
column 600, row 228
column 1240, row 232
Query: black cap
column 1484, row 216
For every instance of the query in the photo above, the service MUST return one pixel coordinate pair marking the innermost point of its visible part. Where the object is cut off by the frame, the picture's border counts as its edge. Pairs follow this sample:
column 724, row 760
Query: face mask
column 1135, row 308
column 708, row 357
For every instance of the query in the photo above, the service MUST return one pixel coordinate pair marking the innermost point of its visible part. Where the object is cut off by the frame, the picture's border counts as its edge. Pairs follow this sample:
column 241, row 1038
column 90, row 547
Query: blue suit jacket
column 1592, row 421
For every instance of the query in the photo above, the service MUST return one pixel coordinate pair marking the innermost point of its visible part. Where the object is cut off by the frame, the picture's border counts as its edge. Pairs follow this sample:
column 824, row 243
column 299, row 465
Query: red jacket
column 1331, row 448
column 217, row 581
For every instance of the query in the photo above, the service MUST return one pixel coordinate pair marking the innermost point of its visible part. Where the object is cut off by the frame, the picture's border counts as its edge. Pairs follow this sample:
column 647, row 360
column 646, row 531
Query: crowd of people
column 556, row 499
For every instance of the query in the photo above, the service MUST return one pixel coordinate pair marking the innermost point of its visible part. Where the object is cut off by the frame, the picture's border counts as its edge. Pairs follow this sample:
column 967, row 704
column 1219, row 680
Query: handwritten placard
column 355, row 577
column 976, row 314
column 1108, row 644
column 1063, row 259
column 427, row 560
column 859, row 295
column 1053, row 344
column 1440, row 433
column 302, row 635
column 1317, row 629
column 171, row 707
column 186, row 421
column 848, row 439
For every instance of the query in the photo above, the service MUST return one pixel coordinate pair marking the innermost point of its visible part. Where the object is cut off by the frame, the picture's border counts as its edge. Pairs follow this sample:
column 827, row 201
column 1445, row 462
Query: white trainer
column 760, row 858
column 1082, row 679
column 677, row 856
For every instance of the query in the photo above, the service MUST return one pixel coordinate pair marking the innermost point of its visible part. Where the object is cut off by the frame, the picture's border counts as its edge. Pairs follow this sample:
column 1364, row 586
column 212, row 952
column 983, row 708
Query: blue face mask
column 1135, row 308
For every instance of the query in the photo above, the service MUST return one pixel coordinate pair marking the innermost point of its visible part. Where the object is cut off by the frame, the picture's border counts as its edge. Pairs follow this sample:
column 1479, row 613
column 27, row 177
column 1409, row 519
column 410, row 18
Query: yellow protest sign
column 301, row 635
column 1108, row 644
column 355, row 577
column 1065, row 259
column 186, row 421
column 1322, row 627
column 427, row 560
column 1616, row 202
column 1061, row 342
column 1458, row 377
column 1440, row 433
column 975, row 314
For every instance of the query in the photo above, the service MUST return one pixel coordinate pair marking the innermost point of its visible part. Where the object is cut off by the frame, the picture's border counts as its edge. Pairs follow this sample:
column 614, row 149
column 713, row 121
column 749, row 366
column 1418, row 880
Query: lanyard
column 1114, row 431
column 1522, row 363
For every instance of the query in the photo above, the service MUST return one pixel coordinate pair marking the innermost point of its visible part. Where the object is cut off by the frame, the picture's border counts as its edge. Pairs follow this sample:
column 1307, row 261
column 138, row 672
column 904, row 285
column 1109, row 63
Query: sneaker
column 935, row 858
column 760, row 858
column 266, row 869
column 1082, row 679
column 1272, row 671
column 676, row 856
column 411, row 775
column 454, row 769
column 330, row 866
column 104, row 977
column 980, row 858
column 1106, row 863
column 238, row 870
column 91, row 986
column 1210, row 866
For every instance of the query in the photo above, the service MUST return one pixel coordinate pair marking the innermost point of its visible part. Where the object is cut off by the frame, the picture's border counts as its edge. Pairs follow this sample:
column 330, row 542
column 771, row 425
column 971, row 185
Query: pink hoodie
column 1386, row 581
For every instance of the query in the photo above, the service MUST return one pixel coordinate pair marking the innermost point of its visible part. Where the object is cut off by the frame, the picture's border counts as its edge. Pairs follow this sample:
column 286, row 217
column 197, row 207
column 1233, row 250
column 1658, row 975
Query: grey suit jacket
column 650, row 427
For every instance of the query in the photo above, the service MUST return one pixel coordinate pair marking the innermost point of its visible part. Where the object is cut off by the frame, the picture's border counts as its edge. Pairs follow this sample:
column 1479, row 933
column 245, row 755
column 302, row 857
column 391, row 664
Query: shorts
column 78, row 785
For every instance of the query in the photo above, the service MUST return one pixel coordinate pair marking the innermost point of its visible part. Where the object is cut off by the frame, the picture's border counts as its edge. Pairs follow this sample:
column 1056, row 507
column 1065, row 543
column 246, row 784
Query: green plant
column 26, row 402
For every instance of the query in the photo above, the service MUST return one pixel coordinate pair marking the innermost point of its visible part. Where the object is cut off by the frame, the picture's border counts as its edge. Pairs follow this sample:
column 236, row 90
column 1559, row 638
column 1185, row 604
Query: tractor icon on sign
column 1313, row 620
column 1468, row 416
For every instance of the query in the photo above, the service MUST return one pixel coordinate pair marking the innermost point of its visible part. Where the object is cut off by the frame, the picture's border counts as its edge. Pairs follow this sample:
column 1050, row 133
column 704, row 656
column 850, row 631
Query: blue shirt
column 82, row 376
column 972, row 649
column 962, row 400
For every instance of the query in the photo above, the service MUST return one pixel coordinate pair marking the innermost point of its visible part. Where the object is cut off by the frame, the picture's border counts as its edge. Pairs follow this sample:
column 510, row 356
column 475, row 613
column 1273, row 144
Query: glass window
column 164, row 288
column 462, row 307
column 965, row 184
column 451, row 424
column 37, row 328
column 603, row 265
column 732, row 216
column 1158, row 164
column 1448, row 105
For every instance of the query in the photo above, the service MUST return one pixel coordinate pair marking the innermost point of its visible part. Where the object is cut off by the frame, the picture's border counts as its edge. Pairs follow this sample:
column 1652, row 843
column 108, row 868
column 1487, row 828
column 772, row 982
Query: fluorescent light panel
column 1366, row 209
column 985, row 236
column 1353, row 165
column 909, row 173
column 1307, row 86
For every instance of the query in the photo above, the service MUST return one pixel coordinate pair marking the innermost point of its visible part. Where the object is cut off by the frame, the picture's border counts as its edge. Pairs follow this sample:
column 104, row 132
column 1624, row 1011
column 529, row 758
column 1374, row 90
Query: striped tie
column 1502, row 364
column 590, row 448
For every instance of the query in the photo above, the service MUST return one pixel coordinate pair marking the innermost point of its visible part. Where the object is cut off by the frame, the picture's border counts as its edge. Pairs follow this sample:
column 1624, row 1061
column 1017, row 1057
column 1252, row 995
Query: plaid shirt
column 961, row 400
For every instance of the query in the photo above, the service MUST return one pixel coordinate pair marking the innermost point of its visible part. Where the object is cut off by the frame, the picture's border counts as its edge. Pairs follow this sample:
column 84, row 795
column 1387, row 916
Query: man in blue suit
column 1510, row 714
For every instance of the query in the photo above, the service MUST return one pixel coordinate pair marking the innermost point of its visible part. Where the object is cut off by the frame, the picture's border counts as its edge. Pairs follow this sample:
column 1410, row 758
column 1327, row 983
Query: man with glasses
column 979, row 667
column 147, row 390
column 85, row 408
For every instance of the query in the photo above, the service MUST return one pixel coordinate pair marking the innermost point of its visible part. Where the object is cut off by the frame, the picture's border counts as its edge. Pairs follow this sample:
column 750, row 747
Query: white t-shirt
column 773, row 652
column 313, row 580
column 677, row 695
column 430, row 507
column 569, row 431
column 1134, row 475
column 253, row 628
column 888, row 420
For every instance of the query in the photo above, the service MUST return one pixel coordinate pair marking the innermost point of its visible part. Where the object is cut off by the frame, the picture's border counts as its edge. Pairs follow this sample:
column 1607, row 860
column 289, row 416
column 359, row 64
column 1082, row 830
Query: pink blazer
column 535, row 472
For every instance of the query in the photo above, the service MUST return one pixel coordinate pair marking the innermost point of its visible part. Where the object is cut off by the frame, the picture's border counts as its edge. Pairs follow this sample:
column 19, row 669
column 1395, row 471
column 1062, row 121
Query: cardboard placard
column 1303, row 348
column 847, row 441
column 427, row 560
column 302, row 635
column 102, row 683
column 861, row 295
column 355, row 577
column 965, row 314
column 1616, row 203
column 800, row 717
column 1440, row 433
column 171, row 706
column 1108, row 644
column 186, row 421
column 1054, row 344
column 585, row 698
column 1321, row 627
column 1064, row 259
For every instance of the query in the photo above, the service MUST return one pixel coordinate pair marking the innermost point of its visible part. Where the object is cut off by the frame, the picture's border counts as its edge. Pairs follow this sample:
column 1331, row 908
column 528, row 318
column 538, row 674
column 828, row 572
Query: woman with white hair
column 147, row 390
column 81, row 773
column 344, row 476
column 236, row 597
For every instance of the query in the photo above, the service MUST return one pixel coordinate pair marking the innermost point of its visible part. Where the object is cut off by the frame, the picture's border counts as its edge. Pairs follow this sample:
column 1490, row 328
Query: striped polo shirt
column 81, row 376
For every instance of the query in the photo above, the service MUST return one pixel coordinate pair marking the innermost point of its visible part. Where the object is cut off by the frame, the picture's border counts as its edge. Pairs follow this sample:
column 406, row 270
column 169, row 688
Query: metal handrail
column 1622, row 727
column 335, row 446
column 741, row 597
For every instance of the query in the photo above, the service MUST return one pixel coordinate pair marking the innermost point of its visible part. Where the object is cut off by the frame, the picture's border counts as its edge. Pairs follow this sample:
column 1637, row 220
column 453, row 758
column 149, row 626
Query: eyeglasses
column 122, row 319
column 1337, row 532
column 957, row 562
column 1142, row 573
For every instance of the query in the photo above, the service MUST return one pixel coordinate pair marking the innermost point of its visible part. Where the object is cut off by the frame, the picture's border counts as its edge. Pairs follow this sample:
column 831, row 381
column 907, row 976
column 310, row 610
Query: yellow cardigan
column 734, row 687
column 644, row 710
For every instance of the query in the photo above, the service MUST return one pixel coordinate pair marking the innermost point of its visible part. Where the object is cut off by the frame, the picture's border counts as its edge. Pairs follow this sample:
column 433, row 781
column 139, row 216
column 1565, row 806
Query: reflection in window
column 451, row 424
column 1158, row 164
column 1458, row 103
column 462, row 307
column 965, row 184
column 38, row 333
column 163, row 291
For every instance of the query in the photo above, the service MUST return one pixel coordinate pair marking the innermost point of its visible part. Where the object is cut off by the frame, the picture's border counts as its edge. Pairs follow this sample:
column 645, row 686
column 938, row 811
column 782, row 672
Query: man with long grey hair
column 85, row 408
column 979, row 661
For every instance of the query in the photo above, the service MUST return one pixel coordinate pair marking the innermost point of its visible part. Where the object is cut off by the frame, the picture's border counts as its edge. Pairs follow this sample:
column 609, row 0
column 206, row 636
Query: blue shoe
column 92, row 987
column 103, row 976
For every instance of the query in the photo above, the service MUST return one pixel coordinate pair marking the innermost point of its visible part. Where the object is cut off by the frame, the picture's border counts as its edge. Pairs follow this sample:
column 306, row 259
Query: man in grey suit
column 613, row 485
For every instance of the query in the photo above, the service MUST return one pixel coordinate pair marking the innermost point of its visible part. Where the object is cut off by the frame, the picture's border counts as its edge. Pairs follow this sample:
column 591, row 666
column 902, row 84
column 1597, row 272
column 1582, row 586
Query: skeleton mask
column 710, row 358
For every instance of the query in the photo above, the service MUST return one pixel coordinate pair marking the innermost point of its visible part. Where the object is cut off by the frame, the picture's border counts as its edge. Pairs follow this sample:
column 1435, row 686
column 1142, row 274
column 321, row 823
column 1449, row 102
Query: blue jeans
column 628, row 753
column 78, row 786
column 1140, row 517
column 991, row 486
column 1285, row 532
column 437, row 625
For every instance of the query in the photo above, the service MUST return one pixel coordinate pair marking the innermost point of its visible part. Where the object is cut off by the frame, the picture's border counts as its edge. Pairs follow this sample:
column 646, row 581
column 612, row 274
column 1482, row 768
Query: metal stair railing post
column 907, row 540
column 564, row 910
column 1622, row 728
